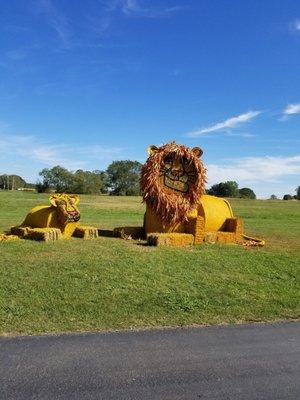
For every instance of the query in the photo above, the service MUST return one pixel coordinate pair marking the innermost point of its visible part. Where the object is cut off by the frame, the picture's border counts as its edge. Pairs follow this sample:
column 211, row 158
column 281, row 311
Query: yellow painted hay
column 172, row 207
column 86, row 232
column 170, row 239
column 6, row 238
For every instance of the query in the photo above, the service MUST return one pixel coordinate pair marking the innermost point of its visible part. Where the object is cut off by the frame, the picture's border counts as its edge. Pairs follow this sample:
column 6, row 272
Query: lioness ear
column 53, row 200
column 152, row 149
column 75, row 199
column 197, row 151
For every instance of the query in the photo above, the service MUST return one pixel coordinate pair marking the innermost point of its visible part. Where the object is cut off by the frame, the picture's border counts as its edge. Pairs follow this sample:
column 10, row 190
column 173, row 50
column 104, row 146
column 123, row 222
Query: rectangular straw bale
column 44, row 234
column 170, row 239
column 86, row 232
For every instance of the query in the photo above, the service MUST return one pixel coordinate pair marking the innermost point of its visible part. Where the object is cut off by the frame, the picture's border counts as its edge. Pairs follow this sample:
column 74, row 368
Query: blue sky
column 83, row 83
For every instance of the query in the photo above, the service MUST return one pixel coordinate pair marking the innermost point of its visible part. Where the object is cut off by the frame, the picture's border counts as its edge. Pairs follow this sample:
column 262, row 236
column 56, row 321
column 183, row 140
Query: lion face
column 178, row 173
column 172, row 180
column 66, row 205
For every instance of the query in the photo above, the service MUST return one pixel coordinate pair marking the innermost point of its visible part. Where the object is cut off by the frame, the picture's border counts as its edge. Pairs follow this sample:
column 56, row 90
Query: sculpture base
column 52, row 234
column 86, row 232
column 222, row 237
column 44, row 234
column 8, row 237
column 170, row 239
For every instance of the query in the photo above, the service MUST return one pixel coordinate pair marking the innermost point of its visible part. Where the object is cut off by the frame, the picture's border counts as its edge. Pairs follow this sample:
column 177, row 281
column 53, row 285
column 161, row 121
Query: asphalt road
column 259, row 361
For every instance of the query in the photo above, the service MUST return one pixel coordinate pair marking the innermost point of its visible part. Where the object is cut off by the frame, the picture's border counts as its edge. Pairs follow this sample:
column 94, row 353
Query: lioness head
column 172, row 180
column 66, row 205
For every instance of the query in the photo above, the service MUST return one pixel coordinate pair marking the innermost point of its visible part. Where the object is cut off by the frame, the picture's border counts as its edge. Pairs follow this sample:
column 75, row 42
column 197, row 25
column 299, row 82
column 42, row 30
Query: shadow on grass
column 110, row 234
column 106, row 233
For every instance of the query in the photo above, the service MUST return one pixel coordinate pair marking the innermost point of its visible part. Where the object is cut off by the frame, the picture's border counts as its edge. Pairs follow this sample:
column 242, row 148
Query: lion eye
column 185, row 161
column 168, row 159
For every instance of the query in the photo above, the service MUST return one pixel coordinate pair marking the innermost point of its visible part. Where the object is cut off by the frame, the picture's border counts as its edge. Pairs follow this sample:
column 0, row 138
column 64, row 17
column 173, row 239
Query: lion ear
column 197, row 151
column 75, row 199
column 152, row 149
column 53, row 200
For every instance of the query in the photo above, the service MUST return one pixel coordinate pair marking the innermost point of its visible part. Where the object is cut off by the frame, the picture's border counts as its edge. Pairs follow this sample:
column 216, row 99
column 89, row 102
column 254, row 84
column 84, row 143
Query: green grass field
column 109, row 283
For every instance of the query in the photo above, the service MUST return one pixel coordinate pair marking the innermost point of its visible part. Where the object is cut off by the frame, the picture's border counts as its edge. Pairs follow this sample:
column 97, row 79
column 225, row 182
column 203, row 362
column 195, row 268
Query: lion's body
column 214, row 211
column 59, row 220
column 212, row 221
column 46, row 217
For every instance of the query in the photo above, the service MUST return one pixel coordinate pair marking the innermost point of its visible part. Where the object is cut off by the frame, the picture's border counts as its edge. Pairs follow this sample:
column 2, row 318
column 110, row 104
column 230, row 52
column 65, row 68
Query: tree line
column 231, row 189
column 13, row 182
column 121, row 178
column 292, row 197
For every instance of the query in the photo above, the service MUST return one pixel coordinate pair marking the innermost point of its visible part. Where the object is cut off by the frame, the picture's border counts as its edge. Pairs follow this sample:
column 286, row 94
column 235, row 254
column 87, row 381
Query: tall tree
column 124, row 177
column 247, row 193
column 224, row 189
column 298, row 193
column 11, row 182
column 57, row 177
column 89, row 182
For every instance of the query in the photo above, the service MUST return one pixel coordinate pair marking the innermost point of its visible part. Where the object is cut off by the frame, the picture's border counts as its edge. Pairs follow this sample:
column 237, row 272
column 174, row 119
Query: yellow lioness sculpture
column 59, row 220
column 177, row 210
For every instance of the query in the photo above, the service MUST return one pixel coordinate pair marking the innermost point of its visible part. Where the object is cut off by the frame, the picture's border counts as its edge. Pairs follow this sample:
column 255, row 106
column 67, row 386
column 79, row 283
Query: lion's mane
column 170, row 206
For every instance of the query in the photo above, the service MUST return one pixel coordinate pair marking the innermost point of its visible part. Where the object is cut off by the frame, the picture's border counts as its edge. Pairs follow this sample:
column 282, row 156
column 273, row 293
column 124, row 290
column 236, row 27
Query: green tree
column 89, row 182
column 287, row 197
column 11, row 182
column 224, row 189
column 298, row 193
column 273, row 197
column 57, row 177
column 42, row 187
column 62, row 180
column 124, row 177
column 247, row 193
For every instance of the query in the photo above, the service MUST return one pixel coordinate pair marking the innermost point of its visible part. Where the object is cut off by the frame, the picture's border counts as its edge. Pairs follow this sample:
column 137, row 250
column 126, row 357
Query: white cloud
column 136, row 8
column 292, row 109
column 265, row 175
column 254, row 169
column 71, row 157
column 52, row 155
column 28, row 147
column 228, row 124
column 131, row 6
column 295, row 25
column 56, row 20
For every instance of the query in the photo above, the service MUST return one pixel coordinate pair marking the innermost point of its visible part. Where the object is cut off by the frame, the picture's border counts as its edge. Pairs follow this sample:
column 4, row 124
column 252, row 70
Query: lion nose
column 177, row 171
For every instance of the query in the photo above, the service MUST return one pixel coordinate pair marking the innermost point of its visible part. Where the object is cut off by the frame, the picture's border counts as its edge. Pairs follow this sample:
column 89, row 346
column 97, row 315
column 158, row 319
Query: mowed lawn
column 109, row 283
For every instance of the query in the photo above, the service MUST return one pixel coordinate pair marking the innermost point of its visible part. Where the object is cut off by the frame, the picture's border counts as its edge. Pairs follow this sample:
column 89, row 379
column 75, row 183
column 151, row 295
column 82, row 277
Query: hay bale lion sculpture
column 57, row 221
column 178, row 212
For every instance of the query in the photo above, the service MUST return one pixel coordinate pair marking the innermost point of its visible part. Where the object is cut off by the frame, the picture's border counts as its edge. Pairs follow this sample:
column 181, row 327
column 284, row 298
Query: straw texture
column 172, row 206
